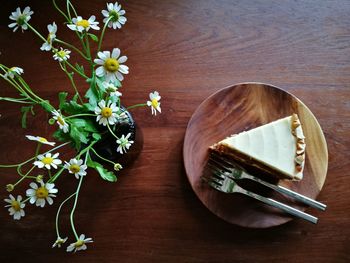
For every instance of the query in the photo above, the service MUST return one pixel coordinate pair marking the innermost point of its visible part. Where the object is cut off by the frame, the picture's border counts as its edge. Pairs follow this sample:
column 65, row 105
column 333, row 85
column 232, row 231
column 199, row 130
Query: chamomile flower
column 62, row 55
column 80, row 24
column 59, row 241
column 48, row 161
column 11, row 72
column 50, row 38
column 21, row 18
column 80, row 244
column 124, row 143
column 40, row 140
column 111, row 89
column 116, row 13
column 41, row 194
column 60, row 121
column 76, row 167
column 15, row 207
column 154, row 102
column 106, row 113
column 111, row 65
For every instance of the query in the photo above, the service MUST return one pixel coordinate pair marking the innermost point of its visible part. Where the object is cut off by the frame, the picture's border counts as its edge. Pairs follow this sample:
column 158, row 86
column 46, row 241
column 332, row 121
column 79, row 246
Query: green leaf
column 93, row 93
column 80, row 68
column 96, row 136
column 85, row 124
column 47, row 106
column 61, row 136
column 62, row 96
column 93, row 37
column 73, row 107
column 25, row 110
column 78, row 136
column 75, row 97
column 104, row 173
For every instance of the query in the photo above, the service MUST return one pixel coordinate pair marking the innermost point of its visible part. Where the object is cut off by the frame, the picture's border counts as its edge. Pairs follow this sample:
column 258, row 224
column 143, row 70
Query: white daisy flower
column 76, row 167
column 20, row 18
column 15, row 207
column 111, row 65
column 50, row 38
column 106, row 113
column 80, row 244
column 124, row 143
column 62, row 55
column 80, row 24
column 60, row 121
column 59, row 241
column 116, row 13
column 154, row 102
column 48, row 161
column 41, row 194
column 11, row 72
column 40, row 140
column 111, row 89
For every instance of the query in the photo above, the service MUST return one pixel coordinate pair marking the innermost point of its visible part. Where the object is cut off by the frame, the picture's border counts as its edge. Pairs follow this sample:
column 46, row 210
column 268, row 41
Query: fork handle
column 302, row 198
column 279, row 205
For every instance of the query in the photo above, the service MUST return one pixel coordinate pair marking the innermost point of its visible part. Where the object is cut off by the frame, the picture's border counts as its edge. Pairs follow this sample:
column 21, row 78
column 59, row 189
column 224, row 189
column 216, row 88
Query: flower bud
column 51, row 121
column 39, row 178
column 118, row 167
column 10, row 187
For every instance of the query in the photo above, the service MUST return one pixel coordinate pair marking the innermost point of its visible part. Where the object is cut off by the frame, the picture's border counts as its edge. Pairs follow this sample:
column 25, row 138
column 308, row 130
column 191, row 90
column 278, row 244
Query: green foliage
column 93, row 37
column 25, row 110
column 62, row 96
column 73, row 107
column 47, row 106
column 80, row 68
column 103, row 172
column 78, row 136
column 93, row 94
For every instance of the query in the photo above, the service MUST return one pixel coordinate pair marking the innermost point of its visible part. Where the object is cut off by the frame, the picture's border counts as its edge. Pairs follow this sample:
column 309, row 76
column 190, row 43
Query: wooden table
column 186, row 50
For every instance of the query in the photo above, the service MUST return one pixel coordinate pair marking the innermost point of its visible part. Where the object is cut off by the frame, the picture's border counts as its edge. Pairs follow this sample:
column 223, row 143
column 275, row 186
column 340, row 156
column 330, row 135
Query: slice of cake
column 277, row 148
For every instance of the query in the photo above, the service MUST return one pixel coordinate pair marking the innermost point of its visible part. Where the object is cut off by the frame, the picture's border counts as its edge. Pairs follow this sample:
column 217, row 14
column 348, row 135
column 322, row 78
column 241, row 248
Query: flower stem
column 16, row 100
column 72, row 81
column 54, row 178
column 136, row 106
column 58, row 213
column 76, row 200
column 110, row 130
column 80, row 115
column 102, row 158
column 103, row 33
column 31, row 159
column 24, row 177
column 34, row 30
column 59, row 10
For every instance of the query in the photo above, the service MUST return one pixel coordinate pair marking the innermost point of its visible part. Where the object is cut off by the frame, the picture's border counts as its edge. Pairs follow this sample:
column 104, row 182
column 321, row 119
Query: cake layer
column 277, row 147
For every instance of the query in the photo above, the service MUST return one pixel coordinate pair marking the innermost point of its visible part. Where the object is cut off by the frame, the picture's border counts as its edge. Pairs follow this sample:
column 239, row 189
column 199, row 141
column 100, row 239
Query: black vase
column 107, row 145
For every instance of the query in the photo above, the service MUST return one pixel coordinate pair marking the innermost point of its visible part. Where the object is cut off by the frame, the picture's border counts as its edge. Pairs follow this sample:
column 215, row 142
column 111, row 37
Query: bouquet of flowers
column 82, row 120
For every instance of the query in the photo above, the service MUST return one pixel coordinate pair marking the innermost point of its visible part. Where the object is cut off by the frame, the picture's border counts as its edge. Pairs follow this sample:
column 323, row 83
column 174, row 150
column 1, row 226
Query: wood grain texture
column 187, row 50
column 239, row 108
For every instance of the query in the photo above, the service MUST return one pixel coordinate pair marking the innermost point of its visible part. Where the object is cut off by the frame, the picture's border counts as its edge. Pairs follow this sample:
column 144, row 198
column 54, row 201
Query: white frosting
column 272, row 144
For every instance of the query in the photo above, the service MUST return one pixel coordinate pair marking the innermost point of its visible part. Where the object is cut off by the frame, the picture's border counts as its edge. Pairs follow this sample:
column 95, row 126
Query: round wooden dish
column 243, row 107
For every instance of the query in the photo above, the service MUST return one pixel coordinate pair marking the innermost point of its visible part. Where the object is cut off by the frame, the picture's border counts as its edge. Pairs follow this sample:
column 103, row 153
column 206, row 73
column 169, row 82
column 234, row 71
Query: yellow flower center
column 111, row 64
column 16, row 205
column 106, row 112
column 41, row 192
column 61, row 53
column 74, row 168
column 79, row 243
column 12, row 69
column 84, row 23
column 155, row 103
column 60, row 120
column 41, row 139
column 47, row 160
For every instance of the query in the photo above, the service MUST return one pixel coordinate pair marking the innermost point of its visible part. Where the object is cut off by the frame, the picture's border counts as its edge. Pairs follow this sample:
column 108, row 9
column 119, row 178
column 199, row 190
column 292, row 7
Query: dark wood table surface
column 186, row 50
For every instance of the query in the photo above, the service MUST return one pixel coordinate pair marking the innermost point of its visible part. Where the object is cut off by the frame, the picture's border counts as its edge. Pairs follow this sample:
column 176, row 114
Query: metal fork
column 223, row 167
column 229, row 186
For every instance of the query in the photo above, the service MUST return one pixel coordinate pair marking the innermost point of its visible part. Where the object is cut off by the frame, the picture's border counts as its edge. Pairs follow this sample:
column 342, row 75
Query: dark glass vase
column 107, row 146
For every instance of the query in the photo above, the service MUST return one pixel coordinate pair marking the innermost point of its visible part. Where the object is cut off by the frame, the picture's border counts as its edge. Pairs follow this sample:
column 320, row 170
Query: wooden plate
column 243, row 107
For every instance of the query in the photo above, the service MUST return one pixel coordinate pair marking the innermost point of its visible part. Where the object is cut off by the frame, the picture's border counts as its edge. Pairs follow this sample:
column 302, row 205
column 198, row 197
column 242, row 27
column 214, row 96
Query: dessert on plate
column 276, row 148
